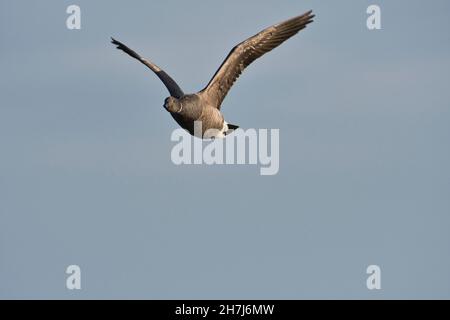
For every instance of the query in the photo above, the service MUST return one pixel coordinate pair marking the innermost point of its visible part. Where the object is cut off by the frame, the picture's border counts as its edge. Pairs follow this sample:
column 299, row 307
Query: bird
column 204, row 107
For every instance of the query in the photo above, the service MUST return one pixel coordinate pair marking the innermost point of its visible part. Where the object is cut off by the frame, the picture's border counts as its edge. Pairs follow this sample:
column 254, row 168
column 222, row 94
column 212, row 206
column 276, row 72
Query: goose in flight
column 203, row 107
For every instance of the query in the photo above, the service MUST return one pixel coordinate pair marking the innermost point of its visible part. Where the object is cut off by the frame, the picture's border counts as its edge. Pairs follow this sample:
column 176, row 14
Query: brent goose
column 204, row 107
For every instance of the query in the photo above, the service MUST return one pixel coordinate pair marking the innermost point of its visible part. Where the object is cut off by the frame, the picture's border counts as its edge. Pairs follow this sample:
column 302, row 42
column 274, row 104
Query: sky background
column 86, row 176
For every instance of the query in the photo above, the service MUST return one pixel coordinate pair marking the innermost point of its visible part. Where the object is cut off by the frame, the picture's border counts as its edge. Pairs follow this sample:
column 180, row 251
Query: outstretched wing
column 248, row 51
column 171, row 85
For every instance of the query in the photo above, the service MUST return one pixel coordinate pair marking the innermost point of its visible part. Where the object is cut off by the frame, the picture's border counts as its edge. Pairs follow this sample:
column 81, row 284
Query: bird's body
column 192, row 108
column 199, row 113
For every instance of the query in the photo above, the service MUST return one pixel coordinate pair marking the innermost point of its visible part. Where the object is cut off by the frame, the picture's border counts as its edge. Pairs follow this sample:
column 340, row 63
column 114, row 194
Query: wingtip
column 118, row 44
column 306, row 17
column 309, row 15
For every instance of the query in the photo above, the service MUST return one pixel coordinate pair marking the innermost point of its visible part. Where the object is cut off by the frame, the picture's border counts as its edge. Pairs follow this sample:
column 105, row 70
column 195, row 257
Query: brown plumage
column 248, row 51
column 205, row 105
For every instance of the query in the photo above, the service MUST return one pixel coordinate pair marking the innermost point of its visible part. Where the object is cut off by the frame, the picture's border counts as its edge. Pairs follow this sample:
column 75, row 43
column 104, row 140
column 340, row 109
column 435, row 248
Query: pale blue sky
column 86, row 176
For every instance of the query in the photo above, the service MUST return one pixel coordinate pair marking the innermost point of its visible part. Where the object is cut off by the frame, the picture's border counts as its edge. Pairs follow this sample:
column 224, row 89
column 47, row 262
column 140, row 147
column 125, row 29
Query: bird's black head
column 173, row 105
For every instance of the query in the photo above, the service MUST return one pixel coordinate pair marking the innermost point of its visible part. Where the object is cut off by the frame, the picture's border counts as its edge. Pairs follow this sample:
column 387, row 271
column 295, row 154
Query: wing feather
column 170, row 84
column 248, row 51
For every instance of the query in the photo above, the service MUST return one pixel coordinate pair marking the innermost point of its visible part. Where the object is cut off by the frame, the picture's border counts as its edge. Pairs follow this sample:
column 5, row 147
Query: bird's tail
column 231, row 128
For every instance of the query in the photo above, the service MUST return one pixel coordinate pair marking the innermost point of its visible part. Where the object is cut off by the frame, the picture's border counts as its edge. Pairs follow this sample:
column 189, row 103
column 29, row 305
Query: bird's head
column 173, row 105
